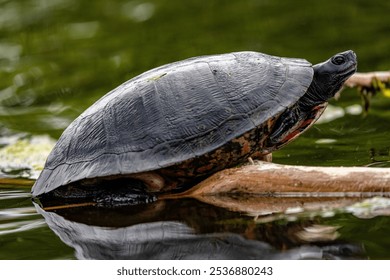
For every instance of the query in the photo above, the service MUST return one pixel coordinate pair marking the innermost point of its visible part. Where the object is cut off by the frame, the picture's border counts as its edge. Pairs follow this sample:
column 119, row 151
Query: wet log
column 276, row 180
column 367, row 79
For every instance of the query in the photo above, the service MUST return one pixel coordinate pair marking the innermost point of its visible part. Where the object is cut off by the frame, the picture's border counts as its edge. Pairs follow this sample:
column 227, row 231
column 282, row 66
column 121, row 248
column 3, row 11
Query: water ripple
column 15, row 227
column 14, row 195
column 13, row 213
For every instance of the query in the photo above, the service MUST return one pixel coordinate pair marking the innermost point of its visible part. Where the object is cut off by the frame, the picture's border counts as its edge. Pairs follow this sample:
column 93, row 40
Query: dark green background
column 57, row 57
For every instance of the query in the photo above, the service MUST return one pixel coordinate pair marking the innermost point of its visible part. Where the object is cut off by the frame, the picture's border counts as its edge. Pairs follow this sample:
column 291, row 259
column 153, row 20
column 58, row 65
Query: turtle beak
column 351, row 64
column 351, row 58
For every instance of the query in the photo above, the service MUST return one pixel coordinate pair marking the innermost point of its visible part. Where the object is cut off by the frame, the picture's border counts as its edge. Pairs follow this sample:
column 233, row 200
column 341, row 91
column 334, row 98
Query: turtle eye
column 338, row 60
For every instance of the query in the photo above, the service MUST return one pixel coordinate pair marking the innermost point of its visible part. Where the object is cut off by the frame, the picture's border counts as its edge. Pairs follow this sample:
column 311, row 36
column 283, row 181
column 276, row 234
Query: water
column 58, row 57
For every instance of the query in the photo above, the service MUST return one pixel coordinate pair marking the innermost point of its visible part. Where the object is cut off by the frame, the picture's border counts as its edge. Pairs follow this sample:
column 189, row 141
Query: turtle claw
column 262, row 158
column 267, row 157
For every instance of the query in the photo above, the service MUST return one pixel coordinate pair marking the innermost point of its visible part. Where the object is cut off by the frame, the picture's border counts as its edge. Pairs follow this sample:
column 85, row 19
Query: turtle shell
column 173, row 113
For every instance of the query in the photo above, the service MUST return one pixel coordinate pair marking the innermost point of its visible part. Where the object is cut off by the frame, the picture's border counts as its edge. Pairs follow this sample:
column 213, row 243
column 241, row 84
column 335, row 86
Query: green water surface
column 57, row 57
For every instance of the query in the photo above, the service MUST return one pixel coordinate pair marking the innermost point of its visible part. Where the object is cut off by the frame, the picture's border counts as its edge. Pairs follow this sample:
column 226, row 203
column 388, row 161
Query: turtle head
column 329, row 76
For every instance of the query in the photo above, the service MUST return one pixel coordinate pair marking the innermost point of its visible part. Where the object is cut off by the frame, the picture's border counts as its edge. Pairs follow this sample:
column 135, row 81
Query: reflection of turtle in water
column 191, row 118
column 174, row 230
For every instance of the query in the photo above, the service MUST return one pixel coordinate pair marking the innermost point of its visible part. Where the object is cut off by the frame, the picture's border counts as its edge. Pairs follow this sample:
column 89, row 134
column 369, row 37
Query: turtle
column 181, row 122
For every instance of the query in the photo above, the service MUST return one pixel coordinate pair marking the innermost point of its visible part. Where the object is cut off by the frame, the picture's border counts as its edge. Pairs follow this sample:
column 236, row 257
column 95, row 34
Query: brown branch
column 270, row 179
column 367, row 79
column 67, row 206
column 16, row 181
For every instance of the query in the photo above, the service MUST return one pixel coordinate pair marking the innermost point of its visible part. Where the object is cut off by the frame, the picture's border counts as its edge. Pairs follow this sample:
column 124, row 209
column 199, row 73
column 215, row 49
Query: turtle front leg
column 285, row 124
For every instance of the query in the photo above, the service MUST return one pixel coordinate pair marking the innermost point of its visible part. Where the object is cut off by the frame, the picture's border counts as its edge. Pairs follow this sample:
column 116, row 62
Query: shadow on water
column 189, row 229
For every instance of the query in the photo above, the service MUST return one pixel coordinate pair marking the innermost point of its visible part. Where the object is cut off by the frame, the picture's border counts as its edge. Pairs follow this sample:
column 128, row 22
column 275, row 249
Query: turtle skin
column 183, row 120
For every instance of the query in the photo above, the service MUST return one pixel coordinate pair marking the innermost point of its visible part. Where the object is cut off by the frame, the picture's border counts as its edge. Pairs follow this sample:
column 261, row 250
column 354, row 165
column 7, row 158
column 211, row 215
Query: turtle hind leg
column 164, row 180
column 152, row 180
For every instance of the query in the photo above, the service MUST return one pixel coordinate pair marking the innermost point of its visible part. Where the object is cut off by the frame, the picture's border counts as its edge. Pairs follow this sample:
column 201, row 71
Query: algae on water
column 25, row 157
